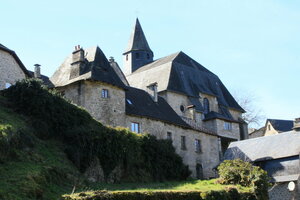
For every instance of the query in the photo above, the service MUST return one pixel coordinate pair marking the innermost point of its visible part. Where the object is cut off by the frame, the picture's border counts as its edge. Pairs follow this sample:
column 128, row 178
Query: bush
column 245, row 174
column 141, row 157
column 161, row 195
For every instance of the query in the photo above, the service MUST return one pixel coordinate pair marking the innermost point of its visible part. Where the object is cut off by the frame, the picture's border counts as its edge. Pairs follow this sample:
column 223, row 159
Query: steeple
column 138, row 52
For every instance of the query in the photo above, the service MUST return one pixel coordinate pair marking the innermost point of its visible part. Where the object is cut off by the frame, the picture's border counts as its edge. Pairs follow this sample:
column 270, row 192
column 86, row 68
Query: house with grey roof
column 277, row 154
column 11, row 68
column 172, row 98
column 196, row 94
column 272, row 127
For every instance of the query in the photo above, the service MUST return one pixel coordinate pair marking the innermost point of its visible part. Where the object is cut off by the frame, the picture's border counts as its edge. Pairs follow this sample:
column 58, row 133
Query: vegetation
column 46, row 143
column 245, row 174
column 196, row 189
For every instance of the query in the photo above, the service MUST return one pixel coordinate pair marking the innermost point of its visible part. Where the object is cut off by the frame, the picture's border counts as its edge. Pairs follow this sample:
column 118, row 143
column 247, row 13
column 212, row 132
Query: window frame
column 198, row 146
column 169, row 135
column 206, row 105
column 183, row 142
column 227, row 126
column 135, row 127
column 104, row 93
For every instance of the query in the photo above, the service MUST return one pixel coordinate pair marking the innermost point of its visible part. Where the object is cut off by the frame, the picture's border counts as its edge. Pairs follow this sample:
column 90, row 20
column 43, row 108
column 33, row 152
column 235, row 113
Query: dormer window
column 206, row 105
column 104, row 93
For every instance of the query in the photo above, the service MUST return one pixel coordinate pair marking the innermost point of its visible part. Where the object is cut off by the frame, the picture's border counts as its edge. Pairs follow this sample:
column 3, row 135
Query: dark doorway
column 199, row 171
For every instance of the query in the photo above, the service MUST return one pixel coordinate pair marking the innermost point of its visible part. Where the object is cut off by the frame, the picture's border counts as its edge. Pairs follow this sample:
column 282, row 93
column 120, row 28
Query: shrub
column 141, row 157
column 245, row 174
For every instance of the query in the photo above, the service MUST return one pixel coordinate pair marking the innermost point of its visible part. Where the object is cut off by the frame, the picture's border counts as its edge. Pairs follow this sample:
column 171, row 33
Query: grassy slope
column 39, row 171
column 183, row 186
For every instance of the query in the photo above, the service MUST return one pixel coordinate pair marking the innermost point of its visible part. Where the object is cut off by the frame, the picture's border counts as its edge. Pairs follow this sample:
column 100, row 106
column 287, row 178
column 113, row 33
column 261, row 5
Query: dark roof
column 282, row 145
column 180, row 73
column 281, row 125
column 140, row 103
column 96, row 68
column 137, row 40
column 223, row 114
column 11, row 52
column 45, row 79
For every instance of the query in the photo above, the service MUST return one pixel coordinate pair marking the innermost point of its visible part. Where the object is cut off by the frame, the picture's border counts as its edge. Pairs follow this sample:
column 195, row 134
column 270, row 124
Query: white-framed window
column 183, row 143
column 7, row 85
column 169, row 135
column 227, row 126
column 135, row 127
column 197, row 145
column 104, row 93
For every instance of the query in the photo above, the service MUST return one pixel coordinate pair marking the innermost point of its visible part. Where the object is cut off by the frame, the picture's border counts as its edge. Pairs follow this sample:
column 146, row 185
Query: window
column 269, row 127
column 127, row 57
column 148, row 56
column 227, row 126
column 128, row 101
column 104, row 93
column 182, row 108
column 137, row 55
column 135, row 127
column 206, row 105
column 169, row 135
column 197, row 146
column 7, row 85
column 183, row 145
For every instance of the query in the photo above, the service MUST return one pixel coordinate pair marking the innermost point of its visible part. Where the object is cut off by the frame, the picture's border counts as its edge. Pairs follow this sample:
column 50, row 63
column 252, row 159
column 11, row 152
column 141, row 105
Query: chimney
column 152, row 90
column 37, row 71
column 297, row 124
column 111, row 59
column 77, row 62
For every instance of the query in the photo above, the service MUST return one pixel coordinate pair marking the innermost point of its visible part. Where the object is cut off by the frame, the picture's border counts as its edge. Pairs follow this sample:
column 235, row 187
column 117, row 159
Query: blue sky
column 253, row 46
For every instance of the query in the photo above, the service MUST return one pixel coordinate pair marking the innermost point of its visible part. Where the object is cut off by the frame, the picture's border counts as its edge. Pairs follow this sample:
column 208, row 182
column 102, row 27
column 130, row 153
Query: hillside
column 30, row 168
column 48, row 146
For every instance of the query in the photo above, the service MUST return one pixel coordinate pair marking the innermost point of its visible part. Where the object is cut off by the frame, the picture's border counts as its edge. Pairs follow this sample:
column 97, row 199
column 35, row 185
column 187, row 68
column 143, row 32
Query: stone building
column 277, row 154
column 11, row 68
column 186, row 103
column 272, row 127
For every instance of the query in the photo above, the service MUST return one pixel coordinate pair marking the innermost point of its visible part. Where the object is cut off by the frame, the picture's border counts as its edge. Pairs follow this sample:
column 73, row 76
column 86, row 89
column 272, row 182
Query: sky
column 252, row 45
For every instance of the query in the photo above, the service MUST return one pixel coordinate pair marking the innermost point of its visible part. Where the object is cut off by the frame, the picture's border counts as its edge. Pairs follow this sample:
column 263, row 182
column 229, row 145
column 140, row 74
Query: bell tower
column 138, row 52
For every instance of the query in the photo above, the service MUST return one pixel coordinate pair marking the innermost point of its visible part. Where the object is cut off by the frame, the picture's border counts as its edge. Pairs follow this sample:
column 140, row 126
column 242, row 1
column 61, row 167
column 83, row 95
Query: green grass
column 40, row 170
column 199, row 185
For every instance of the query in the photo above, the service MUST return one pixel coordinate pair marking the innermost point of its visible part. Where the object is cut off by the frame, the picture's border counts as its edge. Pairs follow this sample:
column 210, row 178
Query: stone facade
column 10, row 71
column 108, row 110
column 269, row 129
column 208, row 157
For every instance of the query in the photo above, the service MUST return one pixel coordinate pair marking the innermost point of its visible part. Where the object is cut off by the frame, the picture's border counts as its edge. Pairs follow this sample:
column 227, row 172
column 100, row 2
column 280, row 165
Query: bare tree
column 248, row 101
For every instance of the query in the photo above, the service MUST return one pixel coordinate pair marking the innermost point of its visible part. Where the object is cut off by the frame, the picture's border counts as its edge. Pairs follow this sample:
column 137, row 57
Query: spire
column 137, row 40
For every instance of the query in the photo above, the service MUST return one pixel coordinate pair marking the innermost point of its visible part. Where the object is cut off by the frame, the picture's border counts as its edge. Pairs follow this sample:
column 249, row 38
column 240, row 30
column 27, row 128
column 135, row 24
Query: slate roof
column 44, row 78
column 180, row 73
column 143, row 105
column 281, row 125
column 282, row 145
column 137, row 40
column 11, row 52
column 96, row 68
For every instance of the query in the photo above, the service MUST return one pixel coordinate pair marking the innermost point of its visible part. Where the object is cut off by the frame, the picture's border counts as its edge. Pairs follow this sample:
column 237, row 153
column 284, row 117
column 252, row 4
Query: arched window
column 148, row 56
column 206, row 105
column 137, row 55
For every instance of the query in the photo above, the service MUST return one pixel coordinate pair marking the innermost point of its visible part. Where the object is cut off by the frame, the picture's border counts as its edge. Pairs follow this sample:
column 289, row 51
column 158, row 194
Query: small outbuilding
column 278, row 155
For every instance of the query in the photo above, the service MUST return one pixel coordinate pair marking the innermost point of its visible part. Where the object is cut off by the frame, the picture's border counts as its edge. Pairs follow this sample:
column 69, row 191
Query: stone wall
column 235, row 114
column 269, row 130
column 209, row 155
column 109, row 111
column 10, row 71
